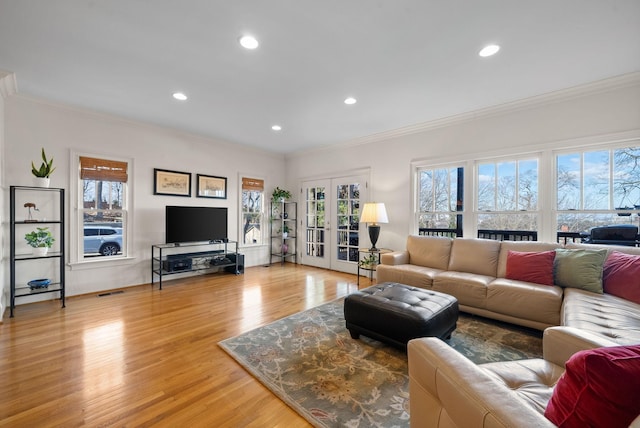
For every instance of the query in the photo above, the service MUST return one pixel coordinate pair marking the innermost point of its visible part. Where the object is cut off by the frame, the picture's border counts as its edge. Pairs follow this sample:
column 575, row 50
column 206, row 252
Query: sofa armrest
column 395, row 258
column 560, row 343
column 448, row 390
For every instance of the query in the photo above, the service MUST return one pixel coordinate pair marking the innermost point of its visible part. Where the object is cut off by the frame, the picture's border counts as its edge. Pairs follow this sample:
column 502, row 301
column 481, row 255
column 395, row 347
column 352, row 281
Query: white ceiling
column 406, row 61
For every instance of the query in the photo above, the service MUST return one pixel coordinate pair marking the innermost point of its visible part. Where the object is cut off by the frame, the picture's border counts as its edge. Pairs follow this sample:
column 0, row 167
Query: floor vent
column 110, row 293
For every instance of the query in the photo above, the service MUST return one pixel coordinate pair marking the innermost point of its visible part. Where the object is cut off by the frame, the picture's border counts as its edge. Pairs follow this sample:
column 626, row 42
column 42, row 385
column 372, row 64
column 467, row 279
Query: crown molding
column 598, row 86
column 8, row 84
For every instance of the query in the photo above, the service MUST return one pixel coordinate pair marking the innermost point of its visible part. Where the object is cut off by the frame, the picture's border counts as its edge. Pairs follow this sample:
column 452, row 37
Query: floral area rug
column 310, row 362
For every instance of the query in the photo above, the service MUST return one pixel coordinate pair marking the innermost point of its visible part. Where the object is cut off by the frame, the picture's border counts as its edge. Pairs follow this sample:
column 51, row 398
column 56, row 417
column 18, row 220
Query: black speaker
column 177, row 264
column 233, row 257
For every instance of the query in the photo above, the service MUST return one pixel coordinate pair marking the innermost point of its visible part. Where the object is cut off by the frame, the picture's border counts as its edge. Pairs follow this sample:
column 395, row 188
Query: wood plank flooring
column 149, row 357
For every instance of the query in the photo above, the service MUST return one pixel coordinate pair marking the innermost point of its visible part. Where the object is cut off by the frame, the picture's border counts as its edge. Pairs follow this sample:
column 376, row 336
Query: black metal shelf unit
column 283, row 231
column 171, row 259
column 57, row 285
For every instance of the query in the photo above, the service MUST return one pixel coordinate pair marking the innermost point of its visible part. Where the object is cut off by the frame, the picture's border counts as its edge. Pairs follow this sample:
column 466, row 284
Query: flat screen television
column 195, row 224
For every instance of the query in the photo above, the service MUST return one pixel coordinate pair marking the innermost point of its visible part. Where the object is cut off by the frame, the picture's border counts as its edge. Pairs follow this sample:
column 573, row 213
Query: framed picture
column 174, row 183
column 209, row 186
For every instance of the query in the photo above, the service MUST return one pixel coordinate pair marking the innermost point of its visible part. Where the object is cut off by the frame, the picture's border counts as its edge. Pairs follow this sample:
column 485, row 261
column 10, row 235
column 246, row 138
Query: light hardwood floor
column 149, row 357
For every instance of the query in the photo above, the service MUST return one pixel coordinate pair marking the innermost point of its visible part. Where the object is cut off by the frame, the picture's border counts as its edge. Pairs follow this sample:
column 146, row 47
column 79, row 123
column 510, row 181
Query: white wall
column 32, row 124
column 6, row 87
column 567, row 118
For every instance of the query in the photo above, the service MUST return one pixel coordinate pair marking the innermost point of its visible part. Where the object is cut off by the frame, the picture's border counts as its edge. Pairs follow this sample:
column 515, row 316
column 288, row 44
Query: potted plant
column 43, row 173
column 40, row 239
column 285, row 231
column 369, row 262
column 280, row 195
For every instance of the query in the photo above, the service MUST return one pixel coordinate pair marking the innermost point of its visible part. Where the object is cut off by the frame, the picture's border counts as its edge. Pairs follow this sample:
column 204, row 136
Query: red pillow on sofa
column 621, row 276
column 531, row 267
column 600, row 388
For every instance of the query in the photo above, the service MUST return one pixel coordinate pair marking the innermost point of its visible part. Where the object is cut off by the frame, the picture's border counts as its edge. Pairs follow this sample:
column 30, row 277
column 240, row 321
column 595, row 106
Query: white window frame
column 581, row 151
column 547, row 175
column 537, row 213
column 418, row 170
column 76, row 204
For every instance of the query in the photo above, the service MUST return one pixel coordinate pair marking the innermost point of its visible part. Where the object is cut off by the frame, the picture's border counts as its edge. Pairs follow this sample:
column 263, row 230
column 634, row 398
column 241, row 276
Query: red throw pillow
column 621, row 276
column 531, row 267
column 600, row 388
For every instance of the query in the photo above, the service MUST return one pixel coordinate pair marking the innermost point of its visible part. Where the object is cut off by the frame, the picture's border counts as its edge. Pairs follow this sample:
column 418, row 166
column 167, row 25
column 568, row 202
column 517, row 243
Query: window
column 252, row 211
column 507, row 195
column 597, row 188
column 440, row 201
column 102, row 208
column 550, row 195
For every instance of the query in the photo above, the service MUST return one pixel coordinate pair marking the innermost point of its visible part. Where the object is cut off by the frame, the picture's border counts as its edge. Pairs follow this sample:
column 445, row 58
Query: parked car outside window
column 102, row 240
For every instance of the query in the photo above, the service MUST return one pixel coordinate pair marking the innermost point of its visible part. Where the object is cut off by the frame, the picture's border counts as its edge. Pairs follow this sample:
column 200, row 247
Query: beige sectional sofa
column 447, row 390
column 473, row 270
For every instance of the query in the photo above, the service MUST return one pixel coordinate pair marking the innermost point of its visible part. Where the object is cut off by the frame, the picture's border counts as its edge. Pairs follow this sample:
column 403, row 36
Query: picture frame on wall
column 172, row 183
column 211, row 186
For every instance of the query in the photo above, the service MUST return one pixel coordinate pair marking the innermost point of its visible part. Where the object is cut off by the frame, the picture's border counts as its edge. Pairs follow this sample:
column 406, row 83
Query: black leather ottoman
column 396, row 313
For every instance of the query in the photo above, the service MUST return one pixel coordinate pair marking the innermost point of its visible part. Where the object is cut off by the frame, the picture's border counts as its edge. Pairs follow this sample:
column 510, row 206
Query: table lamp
column 374, row 213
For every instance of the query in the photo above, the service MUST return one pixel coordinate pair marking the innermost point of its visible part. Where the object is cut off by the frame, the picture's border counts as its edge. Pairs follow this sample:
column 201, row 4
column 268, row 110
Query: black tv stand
column 176, row 258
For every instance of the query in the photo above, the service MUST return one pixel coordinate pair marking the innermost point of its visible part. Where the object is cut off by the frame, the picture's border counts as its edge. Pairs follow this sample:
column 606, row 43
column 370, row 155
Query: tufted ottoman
column 396, row 313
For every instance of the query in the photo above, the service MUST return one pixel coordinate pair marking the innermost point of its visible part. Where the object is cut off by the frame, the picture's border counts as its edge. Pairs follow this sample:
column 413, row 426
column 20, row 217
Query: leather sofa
column 448, row 390
column 474, row 272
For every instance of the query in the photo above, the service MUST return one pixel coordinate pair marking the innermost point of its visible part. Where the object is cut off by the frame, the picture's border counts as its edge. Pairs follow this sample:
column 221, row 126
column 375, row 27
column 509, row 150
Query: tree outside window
column 507, row 195
column 440, row 201
column 597, row 188
column 103, row 212
column 252, row 211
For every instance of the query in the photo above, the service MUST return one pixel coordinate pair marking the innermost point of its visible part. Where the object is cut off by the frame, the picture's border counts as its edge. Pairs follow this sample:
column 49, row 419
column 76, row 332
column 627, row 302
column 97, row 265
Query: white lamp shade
column 374, row 212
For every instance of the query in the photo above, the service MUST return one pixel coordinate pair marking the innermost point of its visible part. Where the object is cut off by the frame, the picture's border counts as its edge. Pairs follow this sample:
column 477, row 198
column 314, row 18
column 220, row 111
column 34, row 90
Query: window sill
column 92, row 264
column 250, row 246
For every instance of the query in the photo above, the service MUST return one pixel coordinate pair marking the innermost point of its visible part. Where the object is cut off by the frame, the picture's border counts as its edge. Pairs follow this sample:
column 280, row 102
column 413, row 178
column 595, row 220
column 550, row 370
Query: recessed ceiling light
column 350, row 101
column 489, row 50
column 276, row 127
column 248, row 42
column 180, row 96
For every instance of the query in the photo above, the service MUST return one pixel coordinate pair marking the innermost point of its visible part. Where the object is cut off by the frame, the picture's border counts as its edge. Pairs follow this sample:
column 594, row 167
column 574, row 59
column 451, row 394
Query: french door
column 332, row 222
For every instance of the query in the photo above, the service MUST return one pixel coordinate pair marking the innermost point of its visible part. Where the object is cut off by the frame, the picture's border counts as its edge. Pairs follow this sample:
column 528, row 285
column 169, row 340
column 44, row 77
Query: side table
column 370, row 261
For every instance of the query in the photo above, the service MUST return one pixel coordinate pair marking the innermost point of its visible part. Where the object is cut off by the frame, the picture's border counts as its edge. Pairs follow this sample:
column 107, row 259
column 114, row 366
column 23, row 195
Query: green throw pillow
column 580, row 269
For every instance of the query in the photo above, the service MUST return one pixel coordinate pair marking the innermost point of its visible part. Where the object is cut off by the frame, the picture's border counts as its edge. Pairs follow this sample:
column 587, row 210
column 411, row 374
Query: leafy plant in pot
column 43, row 173
column 280, row 195
column 285, row 231
column 40, row 240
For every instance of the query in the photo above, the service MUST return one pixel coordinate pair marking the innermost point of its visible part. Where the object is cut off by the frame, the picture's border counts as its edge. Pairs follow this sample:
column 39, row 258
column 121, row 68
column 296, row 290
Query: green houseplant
column 43, row 173
column 280, row 195
column 40, row 239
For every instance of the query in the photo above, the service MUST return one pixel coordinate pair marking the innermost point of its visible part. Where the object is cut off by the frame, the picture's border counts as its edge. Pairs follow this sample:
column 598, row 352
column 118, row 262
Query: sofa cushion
column 580, row 269
column 525, row 300
column 532, row 380
column 429, row 251
column 600, row 387
column 470, row 289
column 621, row 276
column 611, row 317
column 534, row 267
column 416, row 276
column 477, row 256
column 521, row 246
